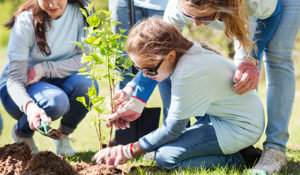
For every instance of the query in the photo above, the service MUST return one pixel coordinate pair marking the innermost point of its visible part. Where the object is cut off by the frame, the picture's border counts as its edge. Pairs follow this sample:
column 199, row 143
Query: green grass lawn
column 86, row 139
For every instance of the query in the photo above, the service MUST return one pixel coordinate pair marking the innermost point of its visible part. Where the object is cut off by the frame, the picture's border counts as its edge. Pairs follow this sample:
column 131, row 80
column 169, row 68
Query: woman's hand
column 246, row 76
column 35, row 114
column 128, row 111
column 35, row 73
column 123, row 95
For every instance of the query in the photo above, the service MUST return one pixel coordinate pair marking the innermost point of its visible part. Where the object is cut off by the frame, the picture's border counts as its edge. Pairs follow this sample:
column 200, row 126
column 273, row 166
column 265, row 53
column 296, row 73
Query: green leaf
column 91, row 39
column 83, row 12
column 79, row 44
column 93, row 20
column 97, row 59
column 82, row 70
column 87, row 58
column 127, row 63
column 82, row 100
column 102, row 51
column 92, row 91
column 130, row 74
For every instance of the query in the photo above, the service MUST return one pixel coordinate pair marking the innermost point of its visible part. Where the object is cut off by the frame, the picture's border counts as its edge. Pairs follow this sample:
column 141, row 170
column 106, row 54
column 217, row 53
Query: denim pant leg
column 74, row 86
column 197, row 147
column 49, row 97
column 1, row 124
column 266, row 29
column 280, row 75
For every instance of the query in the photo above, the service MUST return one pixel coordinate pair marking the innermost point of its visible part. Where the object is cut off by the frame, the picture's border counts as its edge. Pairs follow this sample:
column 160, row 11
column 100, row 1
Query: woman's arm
column 16, row 80
column 64, row 68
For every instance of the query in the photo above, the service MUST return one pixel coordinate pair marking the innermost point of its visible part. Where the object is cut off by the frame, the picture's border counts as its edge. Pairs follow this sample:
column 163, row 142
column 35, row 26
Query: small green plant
column 105, row 55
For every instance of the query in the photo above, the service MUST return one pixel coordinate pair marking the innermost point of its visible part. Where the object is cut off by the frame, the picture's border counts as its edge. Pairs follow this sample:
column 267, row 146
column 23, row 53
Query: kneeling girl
column 227, row 122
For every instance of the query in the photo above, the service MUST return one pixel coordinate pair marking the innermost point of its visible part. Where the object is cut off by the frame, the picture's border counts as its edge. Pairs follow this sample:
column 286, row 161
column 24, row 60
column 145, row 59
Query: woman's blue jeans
column 57, row 97
column 280, row 76
column 197, row 147
column 1, row 124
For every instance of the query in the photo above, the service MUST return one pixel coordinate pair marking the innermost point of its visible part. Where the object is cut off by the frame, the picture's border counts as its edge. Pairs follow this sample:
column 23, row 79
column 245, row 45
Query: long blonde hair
column 234, row 16
column 153, row 39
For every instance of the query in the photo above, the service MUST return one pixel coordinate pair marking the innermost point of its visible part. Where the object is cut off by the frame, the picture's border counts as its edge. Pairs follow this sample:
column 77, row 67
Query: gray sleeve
column 16, row 80
column 64, row 68
column 170, row 131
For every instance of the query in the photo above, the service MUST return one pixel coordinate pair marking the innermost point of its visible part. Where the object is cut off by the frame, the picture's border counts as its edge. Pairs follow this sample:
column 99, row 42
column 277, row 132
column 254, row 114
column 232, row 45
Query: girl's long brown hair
column 40, row 21
column 234, row 16
column 152, row 40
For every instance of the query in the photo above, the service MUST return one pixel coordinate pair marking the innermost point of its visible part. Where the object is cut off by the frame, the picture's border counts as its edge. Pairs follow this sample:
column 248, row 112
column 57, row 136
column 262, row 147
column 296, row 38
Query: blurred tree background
column 215, row 38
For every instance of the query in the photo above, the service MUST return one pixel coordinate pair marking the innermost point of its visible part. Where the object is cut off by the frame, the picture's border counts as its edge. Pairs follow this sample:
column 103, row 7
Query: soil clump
column 16, row 159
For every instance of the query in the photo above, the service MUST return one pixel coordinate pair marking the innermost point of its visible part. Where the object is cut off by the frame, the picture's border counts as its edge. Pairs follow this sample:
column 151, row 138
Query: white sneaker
column 271, row 160
column 29, row 141
column 63, row 146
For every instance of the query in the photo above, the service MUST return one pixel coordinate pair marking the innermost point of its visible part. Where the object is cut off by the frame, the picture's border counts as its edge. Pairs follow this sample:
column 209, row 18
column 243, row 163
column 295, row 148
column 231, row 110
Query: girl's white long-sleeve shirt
column 202, row 84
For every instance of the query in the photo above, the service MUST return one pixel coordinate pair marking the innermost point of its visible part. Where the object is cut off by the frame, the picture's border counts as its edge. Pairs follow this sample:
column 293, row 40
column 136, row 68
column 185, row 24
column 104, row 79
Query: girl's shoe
column 29, row 141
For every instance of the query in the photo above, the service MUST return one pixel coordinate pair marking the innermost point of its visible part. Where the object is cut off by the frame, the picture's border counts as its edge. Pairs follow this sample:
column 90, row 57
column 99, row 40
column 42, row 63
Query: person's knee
column 164, row 159
column 57, row 105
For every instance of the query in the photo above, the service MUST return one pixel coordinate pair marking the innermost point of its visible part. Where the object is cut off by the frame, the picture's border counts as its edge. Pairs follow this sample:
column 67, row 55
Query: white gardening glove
column 113, row 156
column 123, row 95
column 35, row 114
column 35, row 73
column 246, row 76
column 128, row 111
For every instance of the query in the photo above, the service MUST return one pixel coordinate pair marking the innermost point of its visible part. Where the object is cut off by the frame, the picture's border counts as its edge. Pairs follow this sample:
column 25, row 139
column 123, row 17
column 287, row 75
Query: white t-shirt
column 202, row 84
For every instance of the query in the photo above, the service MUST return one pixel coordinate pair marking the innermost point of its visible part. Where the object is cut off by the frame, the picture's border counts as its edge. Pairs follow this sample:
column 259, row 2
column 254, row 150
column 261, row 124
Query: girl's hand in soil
column 129, row 110
column 35, row 73
column 246, row 76
column 113, row 156
column 35, row 114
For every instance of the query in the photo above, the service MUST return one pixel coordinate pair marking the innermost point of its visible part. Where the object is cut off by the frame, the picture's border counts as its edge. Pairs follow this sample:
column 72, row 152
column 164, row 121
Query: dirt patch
column 89, row 169
column 54, row 134
column 17, row 159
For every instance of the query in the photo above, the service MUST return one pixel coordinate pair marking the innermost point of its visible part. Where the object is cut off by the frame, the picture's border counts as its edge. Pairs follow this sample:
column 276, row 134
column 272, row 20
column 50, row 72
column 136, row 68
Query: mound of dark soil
column 16, row 159
column 48, row 163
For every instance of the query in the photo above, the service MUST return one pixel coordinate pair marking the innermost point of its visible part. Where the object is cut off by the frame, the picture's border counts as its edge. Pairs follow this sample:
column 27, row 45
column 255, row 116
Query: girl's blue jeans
column 196, row 147
column 57, row 97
